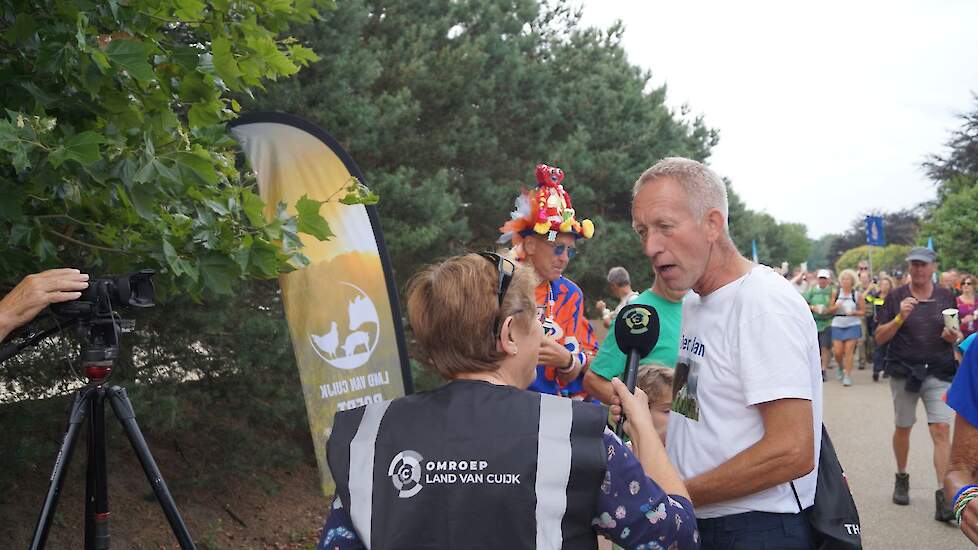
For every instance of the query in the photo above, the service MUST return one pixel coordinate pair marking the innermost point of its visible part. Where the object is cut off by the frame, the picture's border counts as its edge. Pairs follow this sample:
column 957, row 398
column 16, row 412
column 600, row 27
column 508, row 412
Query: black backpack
column 833, row 517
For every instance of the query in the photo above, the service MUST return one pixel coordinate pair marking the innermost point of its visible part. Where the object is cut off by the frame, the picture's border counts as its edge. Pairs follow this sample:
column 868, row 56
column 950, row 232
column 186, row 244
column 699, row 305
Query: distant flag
column 753, row 246
column 874, row 231
column 930, row 243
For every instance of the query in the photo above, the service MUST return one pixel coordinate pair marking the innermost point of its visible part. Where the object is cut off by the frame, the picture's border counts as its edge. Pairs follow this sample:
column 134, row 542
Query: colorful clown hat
column 545, row 211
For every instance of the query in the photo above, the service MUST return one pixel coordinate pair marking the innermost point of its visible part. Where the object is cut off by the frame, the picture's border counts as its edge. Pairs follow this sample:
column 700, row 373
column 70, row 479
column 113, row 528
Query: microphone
column 636, row 332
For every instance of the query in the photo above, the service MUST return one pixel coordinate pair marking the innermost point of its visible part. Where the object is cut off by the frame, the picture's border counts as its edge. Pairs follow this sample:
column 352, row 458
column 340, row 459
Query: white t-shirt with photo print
column 751, row 341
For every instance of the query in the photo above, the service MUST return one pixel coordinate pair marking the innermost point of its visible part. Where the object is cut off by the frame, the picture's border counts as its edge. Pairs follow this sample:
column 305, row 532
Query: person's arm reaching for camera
column 37, row 291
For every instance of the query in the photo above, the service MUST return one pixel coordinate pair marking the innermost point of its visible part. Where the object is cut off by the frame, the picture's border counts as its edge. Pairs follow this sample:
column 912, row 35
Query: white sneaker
column 846, row 381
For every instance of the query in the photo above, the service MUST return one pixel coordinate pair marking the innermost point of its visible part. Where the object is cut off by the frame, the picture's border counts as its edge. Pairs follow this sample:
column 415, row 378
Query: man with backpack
column 747, row 390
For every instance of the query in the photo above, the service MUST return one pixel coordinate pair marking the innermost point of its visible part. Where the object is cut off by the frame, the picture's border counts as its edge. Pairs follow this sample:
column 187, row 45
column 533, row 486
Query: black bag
column 833, row 518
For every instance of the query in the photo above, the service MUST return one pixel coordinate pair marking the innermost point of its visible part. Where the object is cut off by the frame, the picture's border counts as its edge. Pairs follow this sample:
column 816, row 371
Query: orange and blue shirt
column 564, row 301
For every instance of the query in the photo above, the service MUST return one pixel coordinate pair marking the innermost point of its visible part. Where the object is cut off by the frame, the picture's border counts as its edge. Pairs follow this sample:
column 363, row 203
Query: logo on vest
column 405, row 473
column 408, row 468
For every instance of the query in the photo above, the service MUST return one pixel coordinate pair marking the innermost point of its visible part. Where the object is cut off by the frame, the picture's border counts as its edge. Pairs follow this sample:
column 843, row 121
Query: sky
column 825, row 110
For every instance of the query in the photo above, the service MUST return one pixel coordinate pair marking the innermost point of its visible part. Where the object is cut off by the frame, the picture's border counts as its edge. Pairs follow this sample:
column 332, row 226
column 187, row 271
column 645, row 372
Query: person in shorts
column 921, row 365
column 819, row 298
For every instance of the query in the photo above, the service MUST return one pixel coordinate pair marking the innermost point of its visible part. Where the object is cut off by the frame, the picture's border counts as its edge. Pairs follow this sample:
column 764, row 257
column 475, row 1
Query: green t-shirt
column 610, row 361
column 820, row 297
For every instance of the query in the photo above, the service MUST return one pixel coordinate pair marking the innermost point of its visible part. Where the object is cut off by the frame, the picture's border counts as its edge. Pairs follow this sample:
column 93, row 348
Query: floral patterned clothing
column 633, row 510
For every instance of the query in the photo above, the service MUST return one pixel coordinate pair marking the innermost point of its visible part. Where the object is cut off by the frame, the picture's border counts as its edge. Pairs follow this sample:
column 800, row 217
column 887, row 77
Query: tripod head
column 97, row 324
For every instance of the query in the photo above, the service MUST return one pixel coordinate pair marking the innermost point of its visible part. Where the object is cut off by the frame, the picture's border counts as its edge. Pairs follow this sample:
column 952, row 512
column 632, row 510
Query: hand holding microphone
column 636, row 332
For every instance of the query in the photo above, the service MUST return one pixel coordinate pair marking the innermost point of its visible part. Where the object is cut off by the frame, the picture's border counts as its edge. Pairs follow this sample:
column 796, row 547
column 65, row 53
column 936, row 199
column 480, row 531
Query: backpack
column 833, row 518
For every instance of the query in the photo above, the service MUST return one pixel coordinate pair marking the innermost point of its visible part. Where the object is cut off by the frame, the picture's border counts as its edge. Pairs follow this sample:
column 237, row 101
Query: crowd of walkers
column 725, row 424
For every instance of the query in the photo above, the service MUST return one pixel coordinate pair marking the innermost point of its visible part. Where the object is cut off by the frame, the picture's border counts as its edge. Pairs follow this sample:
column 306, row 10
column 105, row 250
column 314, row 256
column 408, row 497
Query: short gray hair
column 703, row 186
column 618, row 276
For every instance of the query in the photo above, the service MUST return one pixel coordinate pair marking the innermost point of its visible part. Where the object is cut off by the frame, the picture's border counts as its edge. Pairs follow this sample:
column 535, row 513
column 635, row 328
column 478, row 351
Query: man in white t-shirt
column 746, row 419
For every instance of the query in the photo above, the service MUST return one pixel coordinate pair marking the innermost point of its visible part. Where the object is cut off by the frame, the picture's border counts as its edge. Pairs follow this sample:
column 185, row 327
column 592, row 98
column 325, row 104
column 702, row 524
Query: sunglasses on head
column 506, row 268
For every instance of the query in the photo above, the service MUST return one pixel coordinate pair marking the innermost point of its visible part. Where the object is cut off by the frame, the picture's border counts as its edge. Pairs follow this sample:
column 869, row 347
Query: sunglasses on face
column 559, row 249
column 969, row 283
column 863, row 269
column 506, row 268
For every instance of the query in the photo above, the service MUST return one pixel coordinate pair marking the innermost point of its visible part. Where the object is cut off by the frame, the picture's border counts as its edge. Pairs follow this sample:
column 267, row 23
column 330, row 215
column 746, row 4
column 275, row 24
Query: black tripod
column 100, row 334
column 90, row 401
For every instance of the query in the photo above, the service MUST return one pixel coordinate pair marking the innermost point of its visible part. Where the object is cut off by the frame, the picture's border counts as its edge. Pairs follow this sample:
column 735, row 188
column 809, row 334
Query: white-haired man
column 620, row 284
column 748, row 375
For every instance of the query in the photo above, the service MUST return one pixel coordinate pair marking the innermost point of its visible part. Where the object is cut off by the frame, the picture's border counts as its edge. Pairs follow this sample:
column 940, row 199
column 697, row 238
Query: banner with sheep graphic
column 342, row 308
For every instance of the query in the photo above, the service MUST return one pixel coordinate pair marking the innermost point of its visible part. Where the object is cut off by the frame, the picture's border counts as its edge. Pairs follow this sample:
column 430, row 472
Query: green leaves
column 82, row 148
column 309, row 219
column 224, row 62
column 113, row 149
column 132, row 57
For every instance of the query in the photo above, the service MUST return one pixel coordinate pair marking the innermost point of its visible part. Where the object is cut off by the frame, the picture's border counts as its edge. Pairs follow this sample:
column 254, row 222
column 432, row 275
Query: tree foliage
column 447, row 106
column 953, row 222
column 958, row 168
column 818, row 257
column 954, row 226
column 890, row 258
column 113, row 151
column 900, row 227
column 777, row 242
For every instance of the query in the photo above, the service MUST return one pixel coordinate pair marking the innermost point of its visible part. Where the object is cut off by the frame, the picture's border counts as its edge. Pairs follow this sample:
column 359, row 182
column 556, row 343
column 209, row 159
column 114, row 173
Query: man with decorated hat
column 544, row 232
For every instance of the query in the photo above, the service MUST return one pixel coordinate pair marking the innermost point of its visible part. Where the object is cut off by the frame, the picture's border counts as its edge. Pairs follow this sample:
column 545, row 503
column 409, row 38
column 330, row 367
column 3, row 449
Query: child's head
column 656, row 381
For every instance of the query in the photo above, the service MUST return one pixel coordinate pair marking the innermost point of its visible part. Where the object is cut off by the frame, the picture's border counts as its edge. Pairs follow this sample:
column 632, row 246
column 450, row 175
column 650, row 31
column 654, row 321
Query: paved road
column 860, row 421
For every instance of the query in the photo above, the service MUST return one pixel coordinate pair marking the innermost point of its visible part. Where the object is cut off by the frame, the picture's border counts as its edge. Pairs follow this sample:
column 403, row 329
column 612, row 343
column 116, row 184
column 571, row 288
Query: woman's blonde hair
column 850, row 273
column 454, row 312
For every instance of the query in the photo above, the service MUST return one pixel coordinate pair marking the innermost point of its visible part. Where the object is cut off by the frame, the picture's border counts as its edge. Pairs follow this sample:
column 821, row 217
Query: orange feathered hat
column 546, row 211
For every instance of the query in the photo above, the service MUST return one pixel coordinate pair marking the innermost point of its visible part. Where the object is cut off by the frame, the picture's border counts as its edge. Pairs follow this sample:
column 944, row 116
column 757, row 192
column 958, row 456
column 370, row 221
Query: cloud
column 825, row 110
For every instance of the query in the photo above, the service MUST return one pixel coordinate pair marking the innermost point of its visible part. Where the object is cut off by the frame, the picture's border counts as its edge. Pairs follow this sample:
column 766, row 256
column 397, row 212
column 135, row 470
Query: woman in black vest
column 483, row 463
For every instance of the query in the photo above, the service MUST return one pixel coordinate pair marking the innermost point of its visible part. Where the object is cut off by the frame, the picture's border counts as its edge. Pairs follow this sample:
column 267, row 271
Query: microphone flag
column 342, row 308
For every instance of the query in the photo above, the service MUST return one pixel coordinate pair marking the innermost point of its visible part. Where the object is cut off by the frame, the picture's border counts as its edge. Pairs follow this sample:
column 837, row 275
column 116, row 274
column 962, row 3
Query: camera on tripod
column 98, row 324
column 104, row 293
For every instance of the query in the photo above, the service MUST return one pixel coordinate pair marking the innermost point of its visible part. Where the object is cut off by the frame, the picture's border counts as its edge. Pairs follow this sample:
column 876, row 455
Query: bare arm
column 963, row 470
column 783, row 454
column 35, row 292
column 860, row 305
column 886, row 332
column 832, row 302
column 598, row 387
column 556, row 355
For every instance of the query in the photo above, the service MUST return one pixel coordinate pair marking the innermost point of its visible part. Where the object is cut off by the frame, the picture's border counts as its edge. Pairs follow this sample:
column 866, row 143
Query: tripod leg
column 75, row 419
column 96, row 479
column 125, row 414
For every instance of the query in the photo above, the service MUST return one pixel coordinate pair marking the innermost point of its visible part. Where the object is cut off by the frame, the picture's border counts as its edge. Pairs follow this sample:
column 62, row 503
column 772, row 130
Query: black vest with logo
column 471, row 465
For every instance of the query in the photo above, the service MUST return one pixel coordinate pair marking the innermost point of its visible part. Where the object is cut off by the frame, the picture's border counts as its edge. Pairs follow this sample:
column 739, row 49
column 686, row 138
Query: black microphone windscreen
column 637, row 328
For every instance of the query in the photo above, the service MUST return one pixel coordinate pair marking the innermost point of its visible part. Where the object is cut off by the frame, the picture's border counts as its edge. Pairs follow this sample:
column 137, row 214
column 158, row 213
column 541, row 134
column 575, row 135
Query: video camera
column 104, row 293
column 94, row 316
